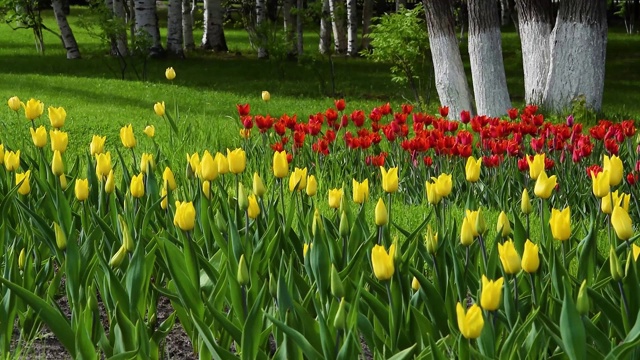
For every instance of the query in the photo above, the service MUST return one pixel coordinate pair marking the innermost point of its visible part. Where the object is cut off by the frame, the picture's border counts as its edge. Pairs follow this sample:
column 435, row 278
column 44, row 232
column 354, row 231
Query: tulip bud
column 312, row 185
column 206, row 189
column 614, row 264
column 415, row 284
column 165, row 199
column 258, row 185
column 466, row 233
column 381, row 213
column 57, row 165
column 431, row 240
column 583, row 299
column 266, row 96
column 61, row 239
column 170, row 74
column 340, row 321
column 243, row 200
column 110, row 185
column 220, row 222
column 63, row 182
column 337, row 288
column 243, row 272
column 344, row 225
column 119, row 257
column 397, row 256
column 503, row 226
column 317, row 223
column 481, row 225
column 22, row 258
column 525, row 205
column 273, row 286
column 127, row 240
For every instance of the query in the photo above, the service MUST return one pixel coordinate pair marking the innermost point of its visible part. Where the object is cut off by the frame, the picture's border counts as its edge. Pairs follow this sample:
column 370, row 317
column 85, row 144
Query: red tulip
column 444, row 111
column 465, row 116
column 385, row 109
column 513, row 113
column 340, row 104
column 243, row 109
column 247, row 122
column 407, row 108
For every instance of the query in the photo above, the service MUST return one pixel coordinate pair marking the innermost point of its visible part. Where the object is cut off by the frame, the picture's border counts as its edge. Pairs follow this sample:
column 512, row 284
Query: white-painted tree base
column 487, row 69
column 451, row 82
column 534, row 37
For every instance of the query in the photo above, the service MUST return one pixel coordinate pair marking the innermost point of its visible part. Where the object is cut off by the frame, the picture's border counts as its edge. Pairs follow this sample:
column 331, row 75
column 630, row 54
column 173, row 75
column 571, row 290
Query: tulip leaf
column 176, row 265
column 600, row 339
column 631, row 342
column 434, row 303
column 298, row 338
column 519, row 234
column 609, row 310
column 588, row 254
column 133, row 354
column 217, row 352
column 572, row 329
column 404, row 354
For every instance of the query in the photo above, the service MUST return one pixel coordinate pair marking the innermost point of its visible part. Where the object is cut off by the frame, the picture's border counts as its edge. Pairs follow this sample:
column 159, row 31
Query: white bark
column 367, row 14
column 260, row 17
column 325, row 28
column 451, row 81
column 505, row 12
column 352, row 28
column 121, row 38
column 188, row 7
column 578, row 54
column 338, row 27
column 213, row 37
column 534, row 38
column 289, row 28
column 68, row 40
column 174, row 27
column 147, row 21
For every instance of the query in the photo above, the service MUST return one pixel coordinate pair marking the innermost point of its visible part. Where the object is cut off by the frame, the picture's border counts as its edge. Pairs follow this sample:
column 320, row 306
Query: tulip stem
column 388, row 286
column 435, row 267
column 542, row 220
column 244, row 300
column 389, row 211
column 624, row 298
column 564, row 254
column 339, row 333
column 515, row 290
column 533, row 289
column 284, row 216
column 609, row 230
column 133, row 155
column 484, row 252
column 528, row 227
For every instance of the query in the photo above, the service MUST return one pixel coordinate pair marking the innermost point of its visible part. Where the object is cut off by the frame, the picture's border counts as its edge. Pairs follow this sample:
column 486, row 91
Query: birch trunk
column 485, row 53
column 289, row 28
column 325, row 28
column 260, row 17
column 147, row 21
column 213, row 37
column 338, row 27
column 188, row 8
column 367, row 14
column 578, row 52
column 534, row 23
column 505, row 12
column 108, row 4
column 68, row 40
column 352, row 28
column 299, row 30
column 174, row 27
column 121, row 38
column 451, row 81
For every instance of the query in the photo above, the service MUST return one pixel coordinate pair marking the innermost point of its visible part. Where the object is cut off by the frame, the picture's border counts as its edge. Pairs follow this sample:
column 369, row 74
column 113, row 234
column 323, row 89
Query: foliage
column 25, row 14
column 401, row 40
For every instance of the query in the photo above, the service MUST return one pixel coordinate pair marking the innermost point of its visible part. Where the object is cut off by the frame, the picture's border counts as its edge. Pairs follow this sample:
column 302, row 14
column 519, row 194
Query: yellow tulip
column 389, row 179
column 531, row 257
column 545, row 185
column 223, row 163
column 137, row 186
column 600, row 183
column 82, row 189
column 57, row 165
column 383, row 266
column 59, row 140
column 127, row 137
column 472, row 218
column 443, row 185
column 159, row 108
column 57, row 116
column 472, row 169
column 305, row 249
column 509, row 257
column 63, row 181
column 298, row 179
column 208, row 167
column 170, row 74
column 503, row 225
column 150, row 131
column 491, row 293
column 97, row 144
column 147, row 163
column 254, row 210
column 237, row 160
column 616, row 170
column 193, row 166
column 103, row 165
column 169, row 179
column 625, row 201
column 605, row 202
column 525, row 204
column 118, row 257
column 14, row 103
column 33, row 109
column 25, row 187
column 432, row 195
column 312, row 185
column 206, row 189
column 266, row 96
column 12, row 160
column 481, row 225
column 360, row 191
column 431, row 240
column 560, row 223
column 185, row 217
column 381, row 214
column 636, row 252
column 536, row 166
column 280, row 164
column 258, row 186
column 335, row 196
column 110, row 184
column 165, row 198
column 22, row 258
column 471, row 323
column 1, row 154
column 245, row 133
column 415, row 284
column 622, row 223
column 39, row 136
column 466, row 233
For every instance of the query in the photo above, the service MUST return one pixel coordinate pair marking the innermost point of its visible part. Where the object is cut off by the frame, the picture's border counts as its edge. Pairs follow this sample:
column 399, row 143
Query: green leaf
column 299, row 339
column 572, row 329
column 252, row 326
column 404, row 354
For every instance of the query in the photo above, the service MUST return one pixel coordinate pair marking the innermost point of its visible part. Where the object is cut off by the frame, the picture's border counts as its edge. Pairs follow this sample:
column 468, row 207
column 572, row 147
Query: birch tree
column 338, row 27
column 146, row 20
column 485, row 53
column 119, row 14
column 174, row 28
column 68, row 40
column 352, row 28
column 367, row 14
column 213, row 37
column 188, row 8
column 325, row 28
column 260, row 22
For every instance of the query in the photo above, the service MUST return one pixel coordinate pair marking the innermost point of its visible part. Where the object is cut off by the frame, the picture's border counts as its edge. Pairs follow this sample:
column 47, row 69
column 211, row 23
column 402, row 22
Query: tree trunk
column 68, row 40
column 451, row 81
column 174, row 27
column 367, row 14
column 338, row 27
column 325, row 29
column 188, row 8
column 401, row 4
column 147, row 21
column 505, row 12
column 260, row 17
column 121, row 38
column 578, row 52
column 213, row 37
column 534, row 18
column 352, row 28
column 289, row 28
column 485, row 53
column 272, row 10
column 299, row 31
